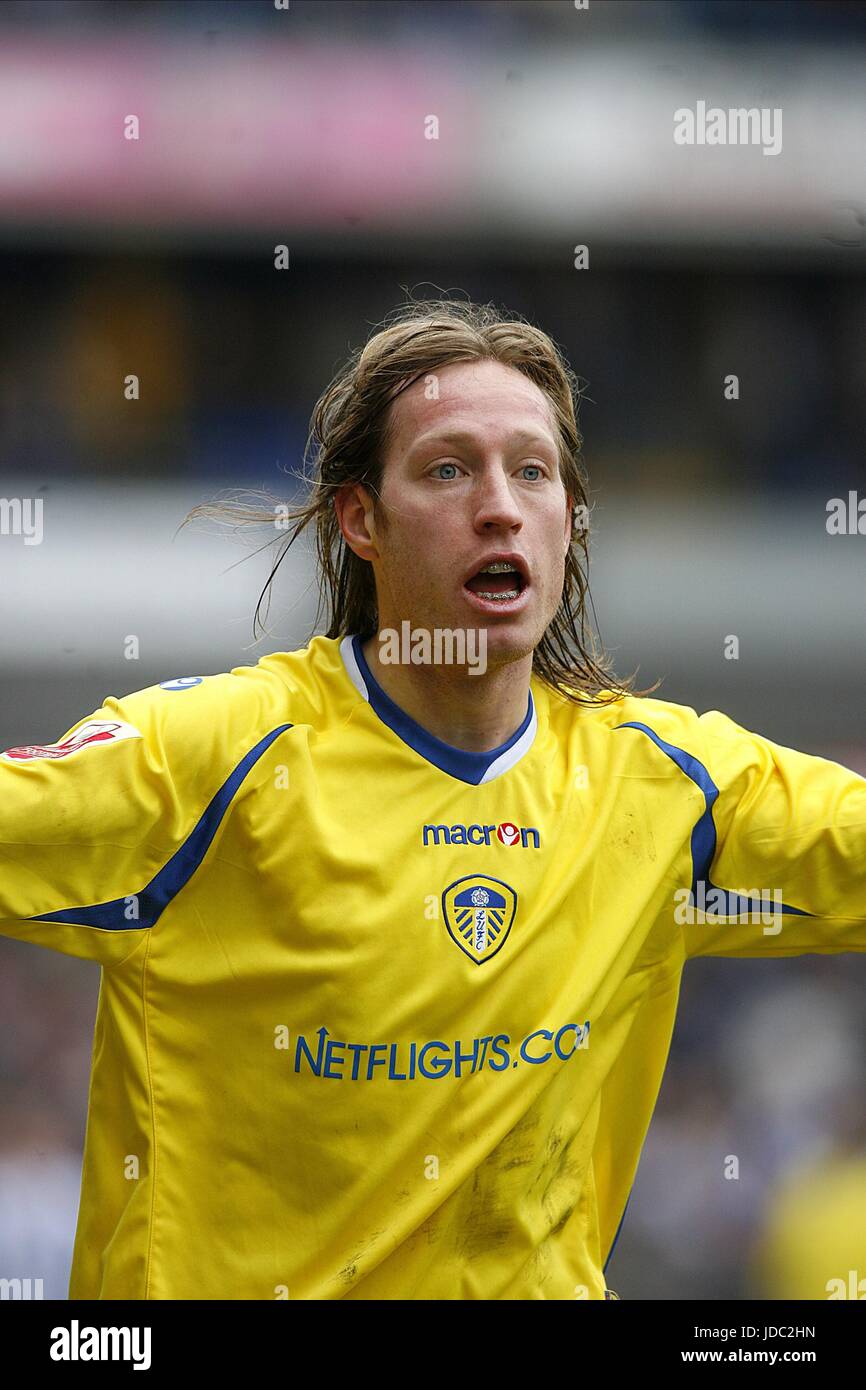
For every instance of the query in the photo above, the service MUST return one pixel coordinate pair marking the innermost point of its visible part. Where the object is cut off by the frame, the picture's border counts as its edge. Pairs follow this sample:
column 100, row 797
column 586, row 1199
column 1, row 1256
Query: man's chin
column 469, row 638
column 502, row 654
column 507, row 642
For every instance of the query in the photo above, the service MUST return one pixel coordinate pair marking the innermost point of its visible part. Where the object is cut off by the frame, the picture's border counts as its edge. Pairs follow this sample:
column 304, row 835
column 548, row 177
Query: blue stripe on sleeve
column 704, row 832
column 176, row 873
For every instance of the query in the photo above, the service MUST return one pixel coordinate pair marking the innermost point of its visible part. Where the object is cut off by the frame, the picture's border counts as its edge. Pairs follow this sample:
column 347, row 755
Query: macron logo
column 507, row 833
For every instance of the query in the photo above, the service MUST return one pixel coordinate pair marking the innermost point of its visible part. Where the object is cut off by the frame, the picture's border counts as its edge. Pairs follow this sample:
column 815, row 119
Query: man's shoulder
column 241, row 706
column 609, row 710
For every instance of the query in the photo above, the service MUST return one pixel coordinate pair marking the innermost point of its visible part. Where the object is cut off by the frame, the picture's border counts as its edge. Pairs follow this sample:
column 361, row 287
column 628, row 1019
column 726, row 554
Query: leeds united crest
column 478, row 913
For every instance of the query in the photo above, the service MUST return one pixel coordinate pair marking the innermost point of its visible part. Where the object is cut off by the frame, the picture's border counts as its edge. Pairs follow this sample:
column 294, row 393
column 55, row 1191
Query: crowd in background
column 231, row 355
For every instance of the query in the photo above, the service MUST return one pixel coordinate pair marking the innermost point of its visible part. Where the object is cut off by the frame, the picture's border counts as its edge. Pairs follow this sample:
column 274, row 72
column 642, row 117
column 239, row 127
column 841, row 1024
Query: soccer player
column 391, row 945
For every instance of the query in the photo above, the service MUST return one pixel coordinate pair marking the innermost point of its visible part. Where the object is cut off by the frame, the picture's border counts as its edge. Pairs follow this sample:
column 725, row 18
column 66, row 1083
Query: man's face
column 468, row 479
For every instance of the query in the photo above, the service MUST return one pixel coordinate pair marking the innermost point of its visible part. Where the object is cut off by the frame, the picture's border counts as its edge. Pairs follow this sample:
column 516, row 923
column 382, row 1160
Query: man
column 391, row 949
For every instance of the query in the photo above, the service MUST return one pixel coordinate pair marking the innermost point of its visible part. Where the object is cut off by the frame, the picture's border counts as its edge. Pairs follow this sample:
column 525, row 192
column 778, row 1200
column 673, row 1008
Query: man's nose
column 495, row 501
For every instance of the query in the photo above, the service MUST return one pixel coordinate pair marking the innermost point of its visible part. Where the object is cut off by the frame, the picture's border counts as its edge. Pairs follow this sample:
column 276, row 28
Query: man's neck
column 473, row 712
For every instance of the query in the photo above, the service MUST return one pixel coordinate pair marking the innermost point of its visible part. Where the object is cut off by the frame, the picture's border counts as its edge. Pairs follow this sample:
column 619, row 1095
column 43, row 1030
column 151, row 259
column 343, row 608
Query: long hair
column 349, row 434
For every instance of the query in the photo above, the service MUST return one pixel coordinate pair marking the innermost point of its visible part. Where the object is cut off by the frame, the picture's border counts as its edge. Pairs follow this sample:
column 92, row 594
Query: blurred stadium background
column 305, row 126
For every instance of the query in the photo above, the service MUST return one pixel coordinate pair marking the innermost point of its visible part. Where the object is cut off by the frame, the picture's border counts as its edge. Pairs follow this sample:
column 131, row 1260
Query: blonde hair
column 349, row 434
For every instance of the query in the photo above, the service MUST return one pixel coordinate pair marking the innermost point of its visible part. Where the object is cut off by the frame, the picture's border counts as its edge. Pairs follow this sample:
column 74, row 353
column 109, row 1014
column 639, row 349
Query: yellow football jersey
column 378, row 1017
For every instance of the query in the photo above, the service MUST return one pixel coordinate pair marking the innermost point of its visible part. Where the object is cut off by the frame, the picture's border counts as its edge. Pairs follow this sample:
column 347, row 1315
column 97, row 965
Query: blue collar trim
column 457, row 762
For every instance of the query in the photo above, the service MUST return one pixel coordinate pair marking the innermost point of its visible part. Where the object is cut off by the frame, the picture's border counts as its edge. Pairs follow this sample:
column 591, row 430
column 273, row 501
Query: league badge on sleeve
column 478, row 913
column 94, row 731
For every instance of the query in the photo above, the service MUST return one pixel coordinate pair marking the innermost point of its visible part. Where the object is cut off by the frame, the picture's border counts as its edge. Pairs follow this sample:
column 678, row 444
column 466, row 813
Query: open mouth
column 499, row 582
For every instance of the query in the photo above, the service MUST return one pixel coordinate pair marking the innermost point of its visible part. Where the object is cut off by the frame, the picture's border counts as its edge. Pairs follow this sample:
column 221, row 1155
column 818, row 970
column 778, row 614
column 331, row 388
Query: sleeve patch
column 94, row 731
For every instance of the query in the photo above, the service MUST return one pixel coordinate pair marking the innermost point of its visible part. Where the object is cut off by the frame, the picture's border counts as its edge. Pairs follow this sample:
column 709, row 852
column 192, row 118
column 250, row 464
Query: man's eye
column 535, row 468
column 446, row 465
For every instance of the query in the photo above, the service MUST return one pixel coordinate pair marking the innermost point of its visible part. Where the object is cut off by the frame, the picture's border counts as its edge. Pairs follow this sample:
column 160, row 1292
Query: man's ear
column 353, row 505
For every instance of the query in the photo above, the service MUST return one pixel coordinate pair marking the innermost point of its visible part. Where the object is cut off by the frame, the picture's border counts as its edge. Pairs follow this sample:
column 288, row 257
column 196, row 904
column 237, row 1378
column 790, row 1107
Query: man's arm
column 85, row 824
column 99, row 832
column 784, row 832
